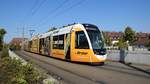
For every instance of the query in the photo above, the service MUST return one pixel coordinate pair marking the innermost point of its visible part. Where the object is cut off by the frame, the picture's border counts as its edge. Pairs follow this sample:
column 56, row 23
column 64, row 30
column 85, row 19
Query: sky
column 40, row 15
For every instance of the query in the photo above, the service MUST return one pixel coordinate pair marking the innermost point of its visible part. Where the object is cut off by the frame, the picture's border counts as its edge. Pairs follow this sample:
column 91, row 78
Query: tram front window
column 95, row 36
column 96, row 39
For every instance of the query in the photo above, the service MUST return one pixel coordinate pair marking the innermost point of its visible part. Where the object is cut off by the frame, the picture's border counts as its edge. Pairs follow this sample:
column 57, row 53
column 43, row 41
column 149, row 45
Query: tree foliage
column 5, row 52
column 122, row 44
column 14, row 47
column 107, row 39
column 2, row 33
column 129, row 35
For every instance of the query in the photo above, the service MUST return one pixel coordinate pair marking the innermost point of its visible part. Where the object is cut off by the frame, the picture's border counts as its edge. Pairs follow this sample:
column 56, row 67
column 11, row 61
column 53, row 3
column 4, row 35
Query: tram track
column 109, row 73
column 68, row 71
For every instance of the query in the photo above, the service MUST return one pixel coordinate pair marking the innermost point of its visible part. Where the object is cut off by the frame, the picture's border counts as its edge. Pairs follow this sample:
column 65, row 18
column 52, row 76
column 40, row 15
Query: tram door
column 41, row 46
column 67, row 47
column 80, row 50
column 47, row 46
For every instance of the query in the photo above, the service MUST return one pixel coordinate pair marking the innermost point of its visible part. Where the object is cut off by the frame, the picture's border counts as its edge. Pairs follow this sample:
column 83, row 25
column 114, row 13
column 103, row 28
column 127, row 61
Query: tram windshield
column 95, row 36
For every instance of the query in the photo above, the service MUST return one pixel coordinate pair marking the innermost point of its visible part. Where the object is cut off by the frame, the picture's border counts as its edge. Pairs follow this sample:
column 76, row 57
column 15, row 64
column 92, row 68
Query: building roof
column 17, row 40
column 141, row 34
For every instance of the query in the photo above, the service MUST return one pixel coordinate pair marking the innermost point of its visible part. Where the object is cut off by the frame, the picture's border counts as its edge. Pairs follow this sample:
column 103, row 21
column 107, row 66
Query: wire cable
column 53, row 11
column 29, row 12
column 64, row 11
column 33, row 12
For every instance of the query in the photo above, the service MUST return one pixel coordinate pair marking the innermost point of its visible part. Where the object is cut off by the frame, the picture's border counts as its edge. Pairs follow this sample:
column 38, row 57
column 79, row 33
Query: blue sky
column 40, row 15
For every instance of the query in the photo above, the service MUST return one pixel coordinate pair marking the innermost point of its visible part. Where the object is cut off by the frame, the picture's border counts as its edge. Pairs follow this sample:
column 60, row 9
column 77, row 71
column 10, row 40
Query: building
column 114, row 36
column 142, row 39
column 17, row 41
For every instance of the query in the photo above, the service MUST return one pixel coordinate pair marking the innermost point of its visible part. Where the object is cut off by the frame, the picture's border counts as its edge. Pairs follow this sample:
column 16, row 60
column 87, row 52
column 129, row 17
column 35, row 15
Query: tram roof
column 60, row 31
column 45, row 35
column 64, row 30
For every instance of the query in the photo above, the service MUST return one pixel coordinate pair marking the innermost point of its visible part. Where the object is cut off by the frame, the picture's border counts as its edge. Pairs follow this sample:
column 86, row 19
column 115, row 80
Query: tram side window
column 55, row 42
column 61, row 41
column 58, row 42
column 81, row 40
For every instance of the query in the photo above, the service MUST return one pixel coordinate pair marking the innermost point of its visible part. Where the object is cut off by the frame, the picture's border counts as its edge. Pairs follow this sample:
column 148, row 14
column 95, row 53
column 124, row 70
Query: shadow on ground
column 136, row 68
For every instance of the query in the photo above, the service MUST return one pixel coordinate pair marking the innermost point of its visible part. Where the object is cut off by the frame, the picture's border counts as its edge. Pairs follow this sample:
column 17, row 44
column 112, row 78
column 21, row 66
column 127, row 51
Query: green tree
column 129, row 35
column 122, row 44
column 2, row 33
column 107, row 39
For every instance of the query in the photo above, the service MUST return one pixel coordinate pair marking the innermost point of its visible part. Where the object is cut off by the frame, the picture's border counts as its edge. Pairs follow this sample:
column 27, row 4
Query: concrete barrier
column 138, row 57
column 15, row 56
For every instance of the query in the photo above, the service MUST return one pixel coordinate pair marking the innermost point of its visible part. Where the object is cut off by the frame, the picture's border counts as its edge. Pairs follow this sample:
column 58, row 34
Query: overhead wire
column 29, row 12
column 53, row 11
column 35, row 9
column 71, row 7
column 36, row 6
column 64, row 11
column 26, row 17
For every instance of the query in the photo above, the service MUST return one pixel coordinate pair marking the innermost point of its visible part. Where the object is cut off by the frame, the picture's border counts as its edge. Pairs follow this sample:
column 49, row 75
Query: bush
column 9, row 70
column 15, row 47
column 5, row 52
column 1, row 47
column 13, row 72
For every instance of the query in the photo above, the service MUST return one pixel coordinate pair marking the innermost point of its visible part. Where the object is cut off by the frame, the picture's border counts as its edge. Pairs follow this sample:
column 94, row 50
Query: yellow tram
column 76, row 42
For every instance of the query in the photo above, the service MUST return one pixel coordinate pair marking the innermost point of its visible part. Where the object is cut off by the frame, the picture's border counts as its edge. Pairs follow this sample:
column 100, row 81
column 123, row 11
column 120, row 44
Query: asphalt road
column 76, row 73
